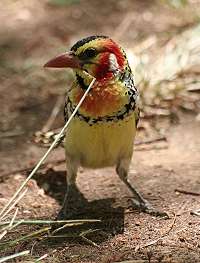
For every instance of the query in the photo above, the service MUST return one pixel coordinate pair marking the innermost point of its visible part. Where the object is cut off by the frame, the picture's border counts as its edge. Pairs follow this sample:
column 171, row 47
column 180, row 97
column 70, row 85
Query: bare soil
column 124, row 232
column 157, row 170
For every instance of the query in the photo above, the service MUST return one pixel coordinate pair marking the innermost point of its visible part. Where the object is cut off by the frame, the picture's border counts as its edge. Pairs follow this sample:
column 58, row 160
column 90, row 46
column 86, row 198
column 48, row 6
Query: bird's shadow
column 111, row 218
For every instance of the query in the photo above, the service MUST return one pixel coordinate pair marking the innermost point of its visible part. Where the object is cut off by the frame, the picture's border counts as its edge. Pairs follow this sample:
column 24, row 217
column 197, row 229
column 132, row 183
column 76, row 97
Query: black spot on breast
column 81, row 82
column 120, row 117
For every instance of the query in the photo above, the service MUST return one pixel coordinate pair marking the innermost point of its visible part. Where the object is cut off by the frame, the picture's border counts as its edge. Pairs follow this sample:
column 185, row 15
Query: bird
column 102, row 132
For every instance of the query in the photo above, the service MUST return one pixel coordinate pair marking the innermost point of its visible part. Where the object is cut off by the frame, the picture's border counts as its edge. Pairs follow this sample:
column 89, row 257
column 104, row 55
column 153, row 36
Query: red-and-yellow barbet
column 103, row 130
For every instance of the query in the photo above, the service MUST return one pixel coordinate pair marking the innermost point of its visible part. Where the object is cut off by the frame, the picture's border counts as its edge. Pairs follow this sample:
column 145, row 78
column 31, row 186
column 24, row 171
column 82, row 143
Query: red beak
column 65, row 60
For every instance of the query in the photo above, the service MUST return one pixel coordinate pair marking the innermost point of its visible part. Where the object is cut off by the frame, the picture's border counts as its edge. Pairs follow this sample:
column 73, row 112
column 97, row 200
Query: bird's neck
column 105, row 98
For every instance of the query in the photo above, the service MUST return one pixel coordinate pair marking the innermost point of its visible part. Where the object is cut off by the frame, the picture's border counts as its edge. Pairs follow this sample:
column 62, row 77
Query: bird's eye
column 89, row 53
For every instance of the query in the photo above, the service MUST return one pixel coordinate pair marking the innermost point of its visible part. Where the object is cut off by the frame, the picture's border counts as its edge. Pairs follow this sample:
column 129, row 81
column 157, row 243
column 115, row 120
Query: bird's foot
column 146, row 207
column 74, row 204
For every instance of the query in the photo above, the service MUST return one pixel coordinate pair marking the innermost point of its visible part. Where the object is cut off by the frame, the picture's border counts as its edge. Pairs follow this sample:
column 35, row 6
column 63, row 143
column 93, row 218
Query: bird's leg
column 138, row 201
column 74, row 199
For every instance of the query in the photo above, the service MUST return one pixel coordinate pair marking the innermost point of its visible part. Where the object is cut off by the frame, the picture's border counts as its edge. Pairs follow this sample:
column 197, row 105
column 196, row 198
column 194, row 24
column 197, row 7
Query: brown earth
column 157, row 170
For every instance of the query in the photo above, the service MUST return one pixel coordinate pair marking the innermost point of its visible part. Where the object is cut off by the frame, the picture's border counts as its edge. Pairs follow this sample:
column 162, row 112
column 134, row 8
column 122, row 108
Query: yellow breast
column 102, row 144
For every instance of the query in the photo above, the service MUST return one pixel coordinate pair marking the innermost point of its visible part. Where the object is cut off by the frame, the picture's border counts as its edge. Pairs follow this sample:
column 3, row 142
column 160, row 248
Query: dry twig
column 28, row 169
column 162, row 138
column 10, row 134
column 153, row 242
column 53, row 114
column 187, row 192
column 195, row 212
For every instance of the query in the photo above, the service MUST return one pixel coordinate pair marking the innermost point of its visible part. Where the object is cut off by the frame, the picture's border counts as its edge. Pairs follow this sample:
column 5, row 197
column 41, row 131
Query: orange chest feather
column 100, row 101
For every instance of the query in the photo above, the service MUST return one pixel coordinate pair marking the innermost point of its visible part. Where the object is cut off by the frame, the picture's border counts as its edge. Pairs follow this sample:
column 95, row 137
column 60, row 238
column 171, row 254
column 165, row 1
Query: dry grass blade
column 81, row 235
column 10, row 226
column 3, row 234
column 44, row 232
column 17, row 224
column 4, row 210
column 65, row 226
column 85, row 233
column 14, row 203
column 7, row 228
column 50, row 222
column 13, row 218
column 29, row 236
column 42, row 257
column 20, row 254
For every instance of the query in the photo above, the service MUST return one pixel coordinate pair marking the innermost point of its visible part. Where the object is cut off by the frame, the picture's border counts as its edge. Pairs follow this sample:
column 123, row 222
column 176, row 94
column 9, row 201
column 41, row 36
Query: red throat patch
column 101, row 100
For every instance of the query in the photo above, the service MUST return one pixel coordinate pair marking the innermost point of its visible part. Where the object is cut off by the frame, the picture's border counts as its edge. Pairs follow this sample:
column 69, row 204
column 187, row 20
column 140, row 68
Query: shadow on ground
column 112, row 218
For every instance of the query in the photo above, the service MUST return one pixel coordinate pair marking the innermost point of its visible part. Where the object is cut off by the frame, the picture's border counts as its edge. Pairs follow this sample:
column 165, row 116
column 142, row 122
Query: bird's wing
column 67, row 108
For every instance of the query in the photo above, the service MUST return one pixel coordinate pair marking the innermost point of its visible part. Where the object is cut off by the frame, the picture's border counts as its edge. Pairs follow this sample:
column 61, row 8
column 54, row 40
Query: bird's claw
column 146, row 207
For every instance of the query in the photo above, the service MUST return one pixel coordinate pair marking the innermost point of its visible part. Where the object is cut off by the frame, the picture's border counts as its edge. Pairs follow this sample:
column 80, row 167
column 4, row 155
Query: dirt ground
column 159, row 170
